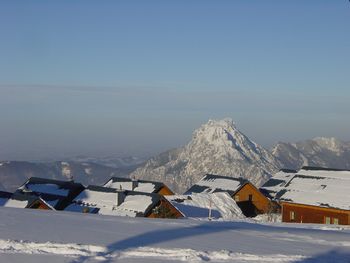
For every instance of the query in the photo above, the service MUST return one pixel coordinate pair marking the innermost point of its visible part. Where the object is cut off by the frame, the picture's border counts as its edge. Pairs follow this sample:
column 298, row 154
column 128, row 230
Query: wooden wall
column 313, row 214
column 258, row 205
column 172, row 212
column 165, row 191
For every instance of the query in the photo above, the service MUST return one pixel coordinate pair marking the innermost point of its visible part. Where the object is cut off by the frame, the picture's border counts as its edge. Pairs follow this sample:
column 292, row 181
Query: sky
column 137, row 77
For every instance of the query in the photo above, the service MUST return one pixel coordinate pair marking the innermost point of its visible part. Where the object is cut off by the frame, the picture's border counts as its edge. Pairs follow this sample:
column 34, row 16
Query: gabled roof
column 211, row 183
column 17, row 200
column 277, row 182
column 50, row 186
column 56, row 193
column 110, row 201
column 134, row 185
column 318, row 187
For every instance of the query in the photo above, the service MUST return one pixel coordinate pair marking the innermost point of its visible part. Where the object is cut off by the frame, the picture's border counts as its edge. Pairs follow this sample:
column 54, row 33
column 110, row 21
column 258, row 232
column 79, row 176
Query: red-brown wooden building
column 316, row 195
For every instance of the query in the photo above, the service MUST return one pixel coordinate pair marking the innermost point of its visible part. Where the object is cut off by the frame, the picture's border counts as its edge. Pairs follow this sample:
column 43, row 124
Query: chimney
column 120, row 196
column 134, row 183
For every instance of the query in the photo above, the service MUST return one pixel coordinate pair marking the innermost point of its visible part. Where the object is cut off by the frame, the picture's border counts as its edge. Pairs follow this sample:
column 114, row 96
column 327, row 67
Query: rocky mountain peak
column 217, row 147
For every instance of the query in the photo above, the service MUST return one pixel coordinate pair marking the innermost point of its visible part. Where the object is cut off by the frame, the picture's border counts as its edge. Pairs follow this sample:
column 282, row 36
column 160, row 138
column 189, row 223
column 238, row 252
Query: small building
column 250, row 200
column 18, row 200
column 110, row 201
column 219, row 205
column 138, row 185
column 56, row 193
column 316, row 195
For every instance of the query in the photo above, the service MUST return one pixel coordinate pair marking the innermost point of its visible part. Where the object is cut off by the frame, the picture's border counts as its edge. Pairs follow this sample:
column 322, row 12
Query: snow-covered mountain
column 320, row 151
column 14, row 173
column 217, row 147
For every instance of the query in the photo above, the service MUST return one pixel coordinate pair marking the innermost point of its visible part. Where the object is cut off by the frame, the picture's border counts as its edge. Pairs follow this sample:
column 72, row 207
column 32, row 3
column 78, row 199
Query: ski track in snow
column 100, row 253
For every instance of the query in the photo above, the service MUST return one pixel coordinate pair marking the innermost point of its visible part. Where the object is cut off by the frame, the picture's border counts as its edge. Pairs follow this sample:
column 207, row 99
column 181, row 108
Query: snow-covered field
column 45, row 236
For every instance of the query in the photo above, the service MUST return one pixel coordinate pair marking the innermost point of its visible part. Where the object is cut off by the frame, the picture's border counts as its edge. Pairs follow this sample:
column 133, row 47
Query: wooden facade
column 165, row 191
column 299, row 213
column 251, row 201
column 38, row 204
column 164, row 209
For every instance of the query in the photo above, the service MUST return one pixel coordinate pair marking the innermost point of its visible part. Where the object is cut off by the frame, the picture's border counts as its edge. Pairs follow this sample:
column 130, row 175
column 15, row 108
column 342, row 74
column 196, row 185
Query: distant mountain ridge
column 320, row 151
column 217, row 147
column 15, row 173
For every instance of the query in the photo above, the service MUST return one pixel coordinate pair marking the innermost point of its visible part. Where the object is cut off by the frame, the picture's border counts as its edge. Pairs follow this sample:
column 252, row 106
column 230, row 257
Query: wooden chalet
column 19, row 200
column 316, row 195
column 110, row 201
column 138, row 185
column 58, row 194
column 251, row 201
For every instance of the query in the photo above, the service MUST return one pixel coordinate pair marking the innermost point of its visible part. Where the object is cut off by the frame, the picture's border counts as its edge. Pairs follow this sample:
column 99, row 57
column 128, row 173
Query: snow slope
column 48, row 236
column 217, row 147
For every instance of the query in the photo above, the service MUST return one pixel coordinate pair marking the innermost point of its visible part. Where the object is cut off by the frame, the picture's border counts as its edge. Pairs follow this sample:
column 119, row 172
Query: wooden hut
column 58, row 194
column 251, row 201
column 18, row 200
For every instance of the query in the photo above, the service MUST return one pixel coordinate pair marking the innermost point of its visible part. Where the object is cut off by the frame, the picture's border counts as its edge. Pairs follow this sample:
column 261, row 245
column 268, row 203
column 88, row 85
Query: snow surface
column 326, row 192
column 197, row 205
column 39, row 236
column 47, row 189
column 277, row 182
column 97, row 198
column 220, row 183
column 128, row 185
column 318, row 188
column 119, row 185
column 15, row 203
column 145, row 187
column 134, row 204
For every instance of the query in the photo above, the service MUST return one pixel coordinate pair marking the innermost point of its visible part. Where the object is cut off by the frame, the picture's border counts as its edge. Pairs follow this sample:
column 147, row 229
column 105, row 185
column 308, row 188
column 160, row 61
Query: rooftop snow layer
column 133, row 185
column 325, row 188
column 277, row 182
column 48, row 189
column 197, row 205
column 216, row 183
column 134, row 205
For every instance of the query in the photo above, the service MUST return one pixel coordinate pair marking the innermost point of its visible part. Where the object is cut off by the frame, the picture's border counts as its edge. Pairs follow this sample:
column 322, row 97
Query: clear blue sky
column 136, row 77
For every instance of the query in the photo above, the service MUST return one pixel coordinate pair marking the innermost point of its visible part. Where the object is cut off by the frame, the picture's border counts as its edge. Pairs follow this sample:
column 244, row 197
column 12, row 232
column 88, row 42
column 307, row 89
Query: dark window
column 250, row 197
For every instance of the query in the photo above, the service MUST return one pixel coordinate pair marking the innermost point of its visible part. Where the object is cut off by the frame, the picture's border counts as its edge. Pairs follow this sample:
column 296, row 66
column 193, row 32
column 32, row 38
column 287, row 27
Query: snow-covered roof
column 96, row 199
column 134, row 185
column 110, row 201
column 197, row 205
column 16, row 200
column 217, row 183
column 137, row 204
column 318, row 187
column 277, row 182
column 58, row 194
column 49, row 186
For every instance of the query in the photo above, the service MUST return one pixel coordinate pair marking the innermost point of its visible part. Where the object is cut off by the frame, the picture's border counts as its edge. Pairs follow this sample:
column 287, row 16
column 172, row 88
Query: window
column 292, row 215
column 327, row 220
column 250, row 197
column 237, row 198
column 335, row 221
